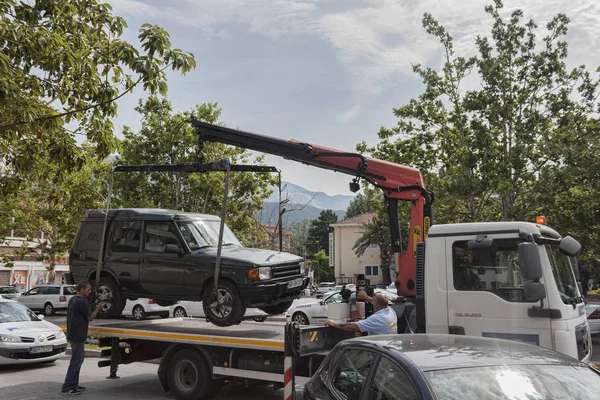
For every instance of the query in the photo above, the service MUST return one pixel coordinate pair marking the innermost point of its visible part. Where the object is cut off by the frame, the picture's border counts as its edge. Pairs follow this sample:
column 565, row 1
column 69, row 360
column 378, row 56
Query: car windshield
column 563, row 275
column 516, row 382
column 8, row 290
column 201, row 233
column 16, row 312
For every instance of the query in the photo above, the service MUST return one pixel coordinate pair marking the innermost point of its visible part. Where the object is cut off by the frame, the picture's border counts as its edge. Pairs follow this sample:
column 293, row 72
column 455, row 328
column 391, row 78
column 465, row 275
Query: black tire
column 277, row 308
column 49, row 309
column 300, row 318
column 231, row 312
column 260, row 319
column 189, row 376
column 138, row 313
column 179, row 312
column 109, row 294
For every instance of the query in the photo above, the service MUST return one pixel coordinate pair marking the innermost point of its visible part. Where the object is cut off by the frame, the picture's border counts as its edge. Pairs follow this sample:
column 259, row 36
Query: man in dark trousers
column 79, row 313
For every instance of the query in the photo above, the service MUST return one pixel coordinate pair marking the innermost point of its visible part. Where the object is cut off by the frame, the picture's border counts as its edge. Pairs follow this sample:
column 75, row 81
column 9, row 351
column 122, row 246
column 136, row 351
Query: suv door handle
column 144, row 260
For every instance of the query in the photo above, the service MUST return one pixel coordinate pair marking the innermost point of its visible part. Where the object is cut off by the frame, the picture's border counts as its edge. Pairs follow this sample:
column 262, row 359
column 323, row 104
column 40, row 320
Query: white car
column 392, row 288
column 185, row 309
column 9, row 292
column 141, row 308
column 315, row 313
column 592, row 312
column 26, row 337
column 48, row 298
column 324, row 287
column 338, row 288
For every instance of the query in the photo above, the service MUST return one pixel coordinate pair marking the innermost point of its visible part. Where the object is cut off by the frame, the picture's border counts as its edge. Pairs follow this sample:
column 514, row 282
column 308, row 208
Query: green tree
column 63, row 65
column 47, row 212
column 166, row 137
column 318, row 233
column 369, row 201
column 320, row 265
column 299, row 237
column 483, row 150
column 377, row 231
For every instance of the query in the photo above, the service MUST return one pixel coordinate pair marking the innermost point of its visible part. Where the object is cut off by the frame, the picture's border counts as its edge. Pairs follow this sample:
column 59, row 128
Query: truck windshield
column 563, row 275
column 201, row 233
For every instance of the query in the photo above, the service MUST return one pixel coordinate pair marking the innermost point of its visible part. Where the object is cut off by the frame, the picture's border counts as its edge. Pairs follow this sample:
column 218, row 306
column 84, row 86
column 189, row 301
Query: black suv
column 170, row 256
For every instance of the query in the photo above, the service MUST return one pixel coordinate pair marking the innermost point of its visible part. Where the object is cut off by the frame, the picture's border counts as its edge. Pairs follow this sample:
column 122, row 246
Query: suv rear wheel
column 229, row 311
column 109, row 294
column 277, row 308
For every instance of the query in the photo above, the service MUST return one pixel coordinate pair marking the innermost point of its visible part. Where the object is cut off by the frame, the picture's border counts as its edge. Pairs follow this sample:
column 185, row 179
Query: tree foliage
column 320, row 265
column 368, row 201
column 63, row 65
column 506, row 133
column 377, row 231
column 166, row 137
column 318, row 232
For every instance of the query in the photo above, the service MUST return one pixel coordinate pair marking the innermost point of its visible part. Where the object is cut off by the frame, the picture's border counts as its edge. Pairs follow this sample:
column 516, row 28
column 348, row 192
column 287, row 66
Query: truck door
column 161, row 272
column 485, row 293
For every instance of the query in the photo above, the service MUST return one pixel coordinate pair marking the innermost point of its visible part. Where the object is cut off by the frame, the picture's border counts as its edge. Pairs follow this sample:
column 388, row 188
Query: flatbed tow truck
column 197, row 357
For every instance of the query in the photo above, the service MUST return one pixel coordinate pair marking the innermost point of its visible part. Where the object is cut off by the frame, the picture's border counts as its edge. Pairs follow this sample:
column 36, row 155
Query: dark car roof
column 147, row 213
column 435, row 351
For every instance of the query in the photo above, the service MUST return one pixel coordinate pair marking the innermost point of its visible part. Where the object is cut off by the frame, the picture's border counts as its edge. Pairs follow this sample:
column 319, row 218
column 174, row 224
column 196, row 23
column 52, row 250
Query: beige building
column 347, row 264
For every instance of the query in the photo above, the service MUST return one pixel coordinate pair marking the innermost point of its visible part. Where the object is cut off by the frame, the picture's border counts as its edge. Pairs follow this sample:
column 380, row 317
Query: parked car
column 48, row 298
column 323, row 288
column 26, row 337
column 448, row 367
column 392, row 288
column 593, row 318
column 9, row 292
column 194, row 309
column 338, row 288
column 315, row 313
column 141, row 308
column 170, row 256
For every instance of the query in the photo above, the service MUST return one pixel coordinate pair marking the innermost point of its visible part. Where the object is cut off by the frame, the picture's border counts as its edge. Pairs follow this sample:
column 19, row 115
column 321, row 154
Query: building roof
column 356, row 221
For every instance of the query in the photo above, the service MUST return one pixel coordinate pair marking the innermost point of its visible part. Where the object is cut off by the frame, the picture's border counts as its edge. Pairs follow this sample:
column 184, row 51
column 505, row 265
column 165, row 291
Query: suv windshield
column 563, row 275
column 201, row 233
column 16, row 312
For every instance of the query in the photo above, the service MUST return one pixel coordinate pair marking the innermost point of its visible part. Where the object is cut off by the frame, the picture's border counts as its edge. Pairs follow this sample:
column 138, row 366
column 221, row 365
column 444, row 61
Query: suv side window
column 351, row 372
column 126, row 237
column 493, row 270
column 158, row 235
column 89, row 240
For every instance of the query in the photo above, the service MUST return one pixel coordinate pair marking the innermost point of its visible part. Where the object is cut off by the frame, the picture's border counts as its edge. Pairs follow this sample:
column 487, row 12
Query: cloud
column 349, row 114
column 375, row 41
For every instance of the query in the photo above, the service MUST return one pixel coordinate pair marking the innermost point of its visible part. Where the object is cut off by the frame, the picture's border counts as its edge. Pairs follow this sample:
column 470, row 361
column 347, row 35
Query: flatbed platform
column 248, row 335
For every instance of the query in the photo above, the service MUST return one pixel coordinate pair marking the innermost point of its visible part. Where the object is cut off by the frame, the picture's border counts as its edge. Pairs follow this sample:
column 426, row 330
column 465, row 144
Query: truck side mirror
column 171, row 248
column 530, row 262
column 534, row 291
column 570, row 246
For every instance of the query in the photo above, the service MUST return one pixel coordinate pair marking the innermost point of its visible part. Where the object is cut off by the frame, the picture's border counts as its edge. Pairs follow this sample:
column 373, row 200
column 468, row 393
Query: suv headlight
column 9, row 339
column 264, row 273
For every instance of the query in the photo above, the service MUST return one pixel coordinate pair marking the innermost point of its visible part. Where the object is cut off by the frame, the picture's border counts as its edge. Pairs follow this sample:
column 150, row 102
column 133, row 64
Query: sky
column 327, row 72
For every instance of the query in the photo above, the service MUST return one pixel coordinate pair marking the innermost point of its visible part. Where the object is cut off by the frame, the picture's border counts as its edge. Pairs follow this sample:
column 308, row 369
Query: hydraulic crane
column 398, row 183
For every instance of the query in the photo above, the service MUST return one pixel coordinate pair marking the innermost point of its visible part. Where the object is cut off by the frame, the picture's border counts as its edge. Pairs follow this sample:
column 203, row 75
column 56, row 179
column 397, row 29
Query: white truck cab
column 511, row 280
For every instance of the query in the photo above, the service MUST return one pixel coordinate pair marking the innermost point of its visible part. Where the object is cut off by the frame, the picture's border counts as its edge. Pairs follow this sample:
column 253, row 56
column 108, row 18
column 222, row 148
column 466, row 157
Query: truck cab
column 509, row 280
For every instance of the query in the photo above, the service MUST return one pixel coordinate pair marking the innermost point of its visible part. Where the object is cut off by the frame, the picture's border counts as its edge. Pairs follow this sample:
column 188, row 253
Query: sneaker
column 81, row 388
column 73, row 392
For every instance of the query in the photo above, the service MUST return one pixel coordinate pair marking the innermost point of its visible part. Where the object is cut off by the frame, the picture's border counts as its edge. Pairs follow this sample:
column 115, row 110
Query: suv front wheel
column 225, row 308
column 109, row 294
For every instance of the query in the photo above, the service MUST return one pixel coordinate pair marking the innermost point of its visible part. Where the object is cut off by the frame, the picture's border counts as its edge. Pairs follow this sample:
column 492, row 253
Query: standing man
column 79, row 314
column 382, row 322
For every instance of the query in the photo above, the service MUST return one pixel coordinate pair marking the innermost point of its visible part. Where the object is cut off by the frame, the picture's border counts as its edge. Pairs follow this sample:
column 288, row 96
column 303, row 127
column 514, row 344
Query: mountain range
column 301, row 204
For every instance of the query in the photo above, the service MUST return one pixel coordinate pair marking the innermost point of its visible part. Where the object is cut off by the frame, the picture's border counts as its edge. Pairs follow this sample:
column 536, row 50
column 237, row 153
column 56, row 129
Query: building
column 346, row 263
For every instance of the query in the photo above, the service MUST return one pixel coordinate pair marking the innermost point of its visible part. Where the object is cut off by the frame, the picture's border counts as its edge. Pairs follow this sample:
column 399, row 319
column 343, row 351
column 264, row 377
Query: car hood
column 249, row 255
column 27, row 327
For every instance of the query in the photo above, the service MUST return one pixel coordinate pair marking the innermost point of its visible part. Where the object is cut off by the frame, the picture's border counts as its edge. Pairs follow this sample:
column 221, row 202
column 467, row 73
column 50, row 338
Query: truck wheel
column 138, row 313
column 109, row 294
column 49, row 309
column 188, row 375
column 230, row 312
column 277, row 308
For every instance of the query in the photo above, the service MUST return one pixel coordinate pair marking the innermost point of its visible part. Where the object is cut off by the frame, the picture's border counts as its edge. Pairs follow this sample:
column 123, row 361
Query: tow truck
column 511, row 280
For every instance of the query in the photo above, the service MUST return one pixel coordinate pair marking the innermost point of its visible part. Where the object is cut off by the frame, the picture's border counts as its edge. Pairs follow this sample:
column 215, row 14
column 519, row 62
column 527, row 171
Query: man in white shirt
column 383, row 320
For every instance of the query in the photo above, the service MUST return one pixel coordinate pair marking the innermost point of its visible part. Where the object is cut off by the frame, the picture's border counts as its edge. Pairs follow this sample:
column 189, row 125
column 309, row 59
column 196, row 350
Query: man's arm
column 95, row 313
column 349, row 327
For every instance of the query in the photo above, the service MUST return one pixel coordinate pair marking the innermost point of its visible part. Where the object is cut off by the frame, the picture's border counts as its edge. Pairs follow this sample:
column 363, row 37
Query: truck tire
column 189, row 376
column 109, row 294
column 277, row 308
column 231, row 312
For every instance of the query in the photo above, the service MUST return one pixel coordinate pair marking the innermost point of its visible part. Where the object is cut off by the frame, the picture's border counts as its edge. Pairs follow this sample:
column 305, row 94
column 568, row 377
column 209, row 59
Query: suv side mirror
column 171, row 248
column 570, row 246
column 530, row 262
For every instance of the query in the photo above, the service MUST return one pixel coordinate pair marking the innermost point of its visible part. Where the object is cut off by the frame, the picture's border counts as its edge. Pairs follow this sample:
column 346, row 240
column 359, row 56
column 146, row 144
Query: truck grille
column 285, row 271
